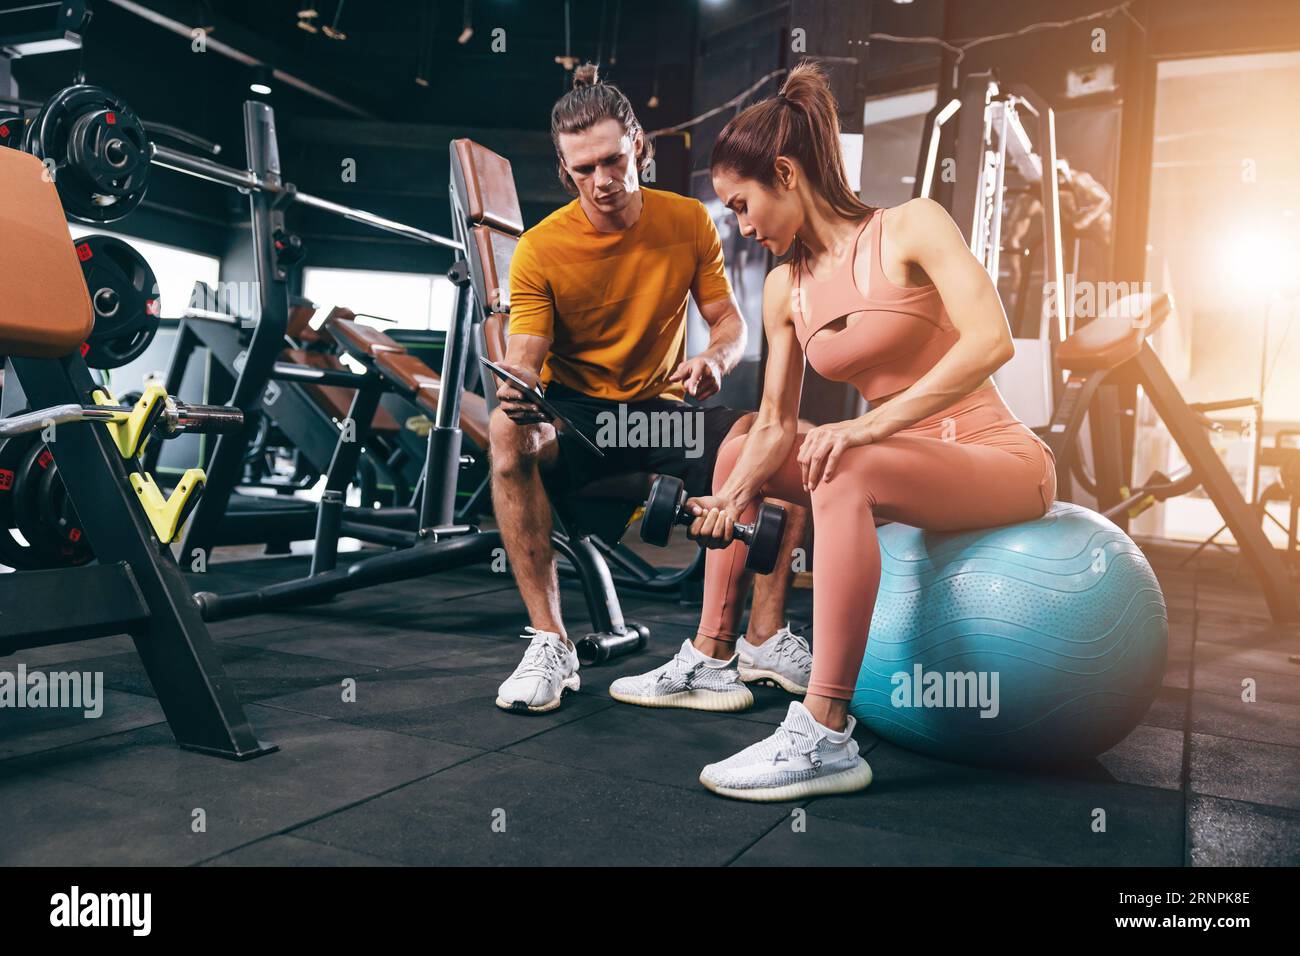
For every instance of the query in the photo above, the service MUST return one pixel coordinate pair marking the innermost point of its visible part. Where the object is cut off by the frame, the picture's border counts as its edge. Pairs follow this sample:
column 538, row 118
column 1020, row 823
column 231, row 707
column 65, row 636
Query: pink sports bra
column 901, row 334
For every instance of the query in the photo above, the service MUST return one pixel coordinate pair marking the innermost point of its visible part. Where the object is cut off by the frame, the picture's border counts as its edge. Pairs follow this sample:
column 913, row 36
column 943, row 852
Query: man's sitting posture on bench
column 598, row 295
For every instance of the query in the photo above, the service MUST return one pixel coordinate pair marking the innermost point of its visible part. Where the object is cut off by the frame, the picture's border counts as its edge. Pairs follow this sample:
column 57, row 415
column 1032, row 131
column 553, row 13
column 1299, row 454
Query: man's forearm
column 727, row 341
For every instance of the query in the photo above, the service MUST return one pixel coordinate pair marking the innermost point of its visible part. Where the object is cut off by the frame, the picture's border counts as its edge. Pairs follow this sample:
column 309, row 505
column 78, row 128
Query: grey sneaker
column 784, row 660
column 802, row 759
column 691, row 680
column 548, row 671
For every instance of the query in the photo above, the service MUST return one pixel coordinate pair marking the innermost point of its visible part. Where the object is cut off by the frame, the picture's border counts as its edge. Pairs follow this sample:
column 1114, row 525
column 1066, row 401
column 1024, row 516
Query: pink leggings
column 971, row 465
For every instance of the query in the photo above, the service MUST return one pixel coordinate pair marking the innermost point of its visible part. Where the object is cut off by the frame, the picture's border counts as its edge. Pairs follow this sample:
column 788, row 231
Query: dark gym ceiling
column 373, row 106
column 373, row 71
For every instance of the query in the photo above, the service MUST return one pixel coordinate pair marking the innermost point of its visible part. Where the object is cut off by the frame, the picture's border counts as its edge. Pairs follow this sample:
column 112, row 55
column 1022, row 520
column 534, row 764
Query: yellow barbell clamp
column 132, row 435
column 168, row 515
column 421, row 425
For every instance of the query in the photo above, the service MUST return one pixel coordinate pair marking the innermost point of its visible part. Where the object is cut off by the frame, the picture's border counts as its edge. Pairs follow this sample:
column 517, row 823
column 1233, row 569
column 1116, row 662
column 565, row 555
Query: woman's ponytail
column 801, row 122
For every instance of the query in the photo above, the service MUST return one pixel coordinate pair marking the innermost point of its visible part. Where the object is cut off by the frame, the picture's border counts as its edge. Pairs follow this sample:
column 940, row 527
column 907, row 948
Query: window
column 410, row 300
column 175, row 269
column 893, row 128
column 1223, row 238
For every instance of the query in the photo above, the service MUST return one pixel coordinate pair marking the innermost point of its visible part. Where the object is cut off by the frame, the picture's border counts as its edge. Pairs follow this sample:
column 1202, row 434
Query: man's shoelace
column 540, row 658
column 793, row 646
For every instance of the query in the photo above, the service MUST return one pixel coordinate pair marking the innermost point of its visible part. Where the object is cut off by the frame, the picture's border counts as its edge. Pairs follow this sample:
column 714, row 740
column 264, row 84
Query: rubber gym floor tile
column 360, row 642
column 667, row 746
column 1048, row 815
column 1243, row 633
column 295, row 851
column 322, row 766
column 1228, row 680
column 1178, row 665
column 1168, row 710
column 254, row 673
column 51, row 822
column 1272, row 658
column 1233, row 609
column 502, row 809
column 1261, row 720
column 1148, row 757
column 437, row 704
column 826, row 842
column 1245, row 770
column 1228, row 833
column 32, row 731
column 73, row 651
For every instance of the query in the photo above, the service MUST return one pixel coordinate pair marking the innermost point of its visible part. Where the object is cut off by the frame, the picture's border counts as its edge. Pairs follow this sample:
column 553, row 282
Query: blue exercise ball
column 1035, row 643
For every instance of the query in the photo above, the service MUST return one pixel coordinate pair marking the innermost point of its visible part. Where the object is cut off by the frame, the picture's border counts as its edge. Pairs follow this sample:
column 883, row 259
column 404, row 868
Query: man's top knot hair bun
column 586, row 75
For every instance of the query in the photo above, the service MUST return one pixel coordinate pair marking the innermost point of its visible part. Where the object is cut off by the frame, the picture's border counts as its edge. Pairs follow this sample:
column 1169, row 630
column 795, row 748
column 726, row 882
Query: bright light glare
column 1263, row 261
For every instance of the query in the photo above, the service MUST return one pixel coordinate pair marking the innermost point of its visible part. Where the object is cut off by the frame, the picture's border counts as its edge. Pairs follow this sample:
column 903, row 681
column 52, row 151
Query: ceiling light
column 261, row 82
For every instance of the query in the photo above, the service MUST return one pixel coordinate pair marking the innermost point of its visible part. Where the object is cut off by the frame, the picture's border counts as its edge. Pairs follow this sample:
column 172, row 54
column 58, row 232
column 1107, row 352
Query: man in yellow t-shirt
column 598, row 299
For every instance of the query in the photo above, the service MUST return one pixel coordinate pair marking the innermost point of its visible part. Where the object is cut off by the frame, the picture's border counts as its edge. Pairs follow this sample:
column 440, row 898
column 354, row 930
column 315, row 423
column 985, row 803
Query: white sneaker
column 548, row 671
column 802, row 759
column 784, row 660
column 691, row 680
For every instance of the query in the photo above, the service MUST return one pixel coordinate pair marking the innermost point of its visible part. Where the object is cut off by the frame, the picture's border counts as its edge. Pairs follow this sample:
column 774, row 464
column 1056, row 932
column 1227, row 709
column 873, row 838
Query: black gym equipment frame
column 136, row 587
column 268, row 195
column 1112, row 351
column 282, row 397
column 439, row 542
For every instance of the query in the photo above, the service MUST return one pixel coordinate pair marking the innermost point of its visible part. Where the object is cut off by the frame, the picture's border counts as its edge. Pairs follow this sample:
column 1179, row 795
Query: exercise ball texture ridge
column 1035, row 643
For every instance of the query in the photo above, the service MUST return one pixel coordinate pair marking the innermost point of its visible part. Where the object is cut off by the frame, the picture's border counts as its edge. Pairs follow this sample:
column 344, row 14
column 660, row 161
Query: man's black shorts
column 671, row 443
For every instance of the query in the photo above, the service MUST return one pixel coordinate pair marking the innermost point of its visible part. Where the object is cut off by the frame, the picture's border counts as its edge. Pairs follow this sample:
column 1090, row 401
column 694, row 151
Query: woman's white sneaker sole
column 693, row 700
column 846, row 781
column 751, row 675
column 570, row 686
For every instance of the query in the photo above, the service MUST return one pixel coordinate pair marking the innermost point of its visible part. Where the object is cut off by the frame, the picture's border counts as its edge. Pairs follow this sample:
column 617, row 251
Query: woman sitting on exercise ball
column 892, row 301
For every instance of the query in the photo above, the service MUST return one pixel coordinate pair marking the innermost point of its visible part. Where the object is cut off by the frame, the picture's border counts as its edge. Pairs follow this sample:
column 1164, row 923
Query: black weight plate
column 11, row 130
column 108, row 152
column 765, row 543
column 46, row 545
column 124, row 295
column 661, row 510
column 98, row 149
column 13, row 551
column 57, row 513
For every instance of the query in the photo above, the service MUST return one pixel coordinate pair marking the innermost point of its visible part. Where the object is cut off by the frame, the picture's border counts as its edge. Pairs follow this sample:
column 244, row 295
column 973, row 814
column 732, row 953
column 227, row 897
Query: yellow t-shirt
column 614, row 303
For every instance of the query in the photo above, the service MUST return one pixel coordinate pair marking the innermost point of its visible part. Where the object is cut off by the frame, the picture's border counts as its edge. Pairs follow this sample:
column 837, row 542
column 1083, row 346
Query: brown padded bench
column 488, row 184
column 417, row 381
column 1113, row 337
column 335, row 399
column 47, row 314
column 421, row 385
column 360, row 339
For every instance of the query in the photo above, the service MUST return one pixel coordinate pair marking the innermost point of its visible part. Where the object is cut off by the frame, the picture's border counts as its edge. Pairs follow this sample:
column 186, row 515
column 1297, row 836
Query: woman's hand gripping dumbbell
column 666, row 508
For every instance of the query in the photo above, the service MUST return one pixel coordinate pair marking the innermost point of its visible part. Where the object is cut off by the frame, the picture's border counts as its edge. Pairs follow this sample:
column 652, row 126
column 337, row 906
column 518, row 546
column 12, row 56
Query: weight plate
column 99, row 151
column 124, row 294
column 15, row 552
column 765, row 545
column 11, row 130
column 57, row 513
column 47, row 546
column 661, row 510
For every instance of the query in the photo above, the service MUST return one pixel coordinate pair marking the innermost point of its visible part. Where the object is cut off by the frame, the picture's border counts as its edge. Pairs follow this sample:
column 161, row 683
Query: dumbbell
column 666, row 507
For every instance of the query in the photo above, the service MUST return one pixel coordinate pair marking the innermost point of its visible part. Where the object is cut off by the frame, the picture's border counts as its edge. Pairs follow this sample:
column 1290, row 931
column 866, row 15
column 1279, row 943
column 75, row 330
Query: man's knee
column 516, row 450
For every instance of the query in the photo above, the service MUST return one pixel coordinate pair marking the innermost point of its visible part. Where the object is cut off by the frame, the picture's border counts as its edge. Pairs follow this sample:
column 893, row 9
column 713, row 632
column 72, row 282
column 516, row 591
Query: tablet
column 534, row 395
